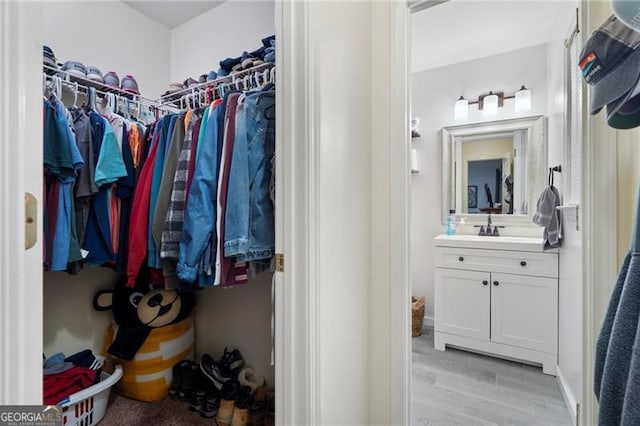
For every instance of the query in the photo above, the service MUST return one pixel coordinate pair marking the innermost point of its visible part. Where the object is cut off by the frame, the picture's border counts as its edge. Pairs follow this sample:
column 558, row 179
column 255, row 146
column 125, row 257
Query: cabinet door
column 524, row 311
column 462, row 302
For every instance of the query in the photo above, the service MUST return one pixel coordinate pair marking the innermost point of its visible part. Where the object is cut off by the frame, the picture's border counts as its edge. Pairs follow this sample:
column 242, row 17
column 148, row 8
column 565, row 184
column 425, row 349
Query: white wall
column 198, row 45
column 111, row 36
column 433, row 95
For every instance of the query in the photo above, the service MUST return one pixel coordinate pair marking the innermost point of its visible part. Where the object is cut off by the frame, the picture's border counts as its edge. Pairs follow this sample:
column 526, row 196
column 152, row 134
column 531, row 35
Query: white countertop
column 533, row 244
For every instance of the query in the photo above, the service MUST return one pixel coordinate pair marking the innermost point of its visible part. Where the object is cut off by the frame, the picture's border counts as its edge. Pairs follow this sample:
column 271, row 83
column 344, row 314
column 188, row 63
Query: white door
column 462, row 302
column 20, row 173
column 524, row 311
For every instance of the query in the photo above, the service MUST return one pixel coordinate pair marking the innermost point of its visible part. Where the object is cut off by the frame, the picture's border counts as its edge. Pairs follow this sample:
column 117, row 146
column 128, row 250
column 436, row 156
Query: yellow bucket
column 147, row 377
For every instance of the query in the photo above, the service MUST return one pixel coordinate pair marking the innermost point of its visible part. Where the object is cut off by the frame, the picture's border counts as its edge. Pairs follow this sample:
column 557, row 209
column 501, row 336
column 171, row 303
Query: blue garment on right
column 200, row 214
column 617, row 371
column 249, row 222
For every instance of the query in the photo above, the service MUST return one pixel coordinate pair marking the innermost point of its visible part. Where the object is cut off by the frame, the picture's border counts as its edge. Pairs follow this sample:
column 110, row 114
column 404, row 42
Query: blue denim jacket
column 200, row 214
column 249, row 222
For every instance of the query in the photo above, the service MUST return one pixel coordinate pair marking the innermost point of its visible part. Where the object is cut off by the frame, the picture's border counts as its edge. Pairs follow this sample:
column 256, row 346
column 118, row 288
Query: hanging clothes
column 62, row 160
column 617, row 363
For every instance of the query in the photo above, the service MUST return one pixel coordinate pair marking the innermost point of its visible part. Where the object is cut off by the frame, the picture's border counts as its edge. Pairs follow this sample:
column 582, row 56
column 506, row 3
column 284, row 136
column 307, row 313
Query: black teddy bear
column 139, row 309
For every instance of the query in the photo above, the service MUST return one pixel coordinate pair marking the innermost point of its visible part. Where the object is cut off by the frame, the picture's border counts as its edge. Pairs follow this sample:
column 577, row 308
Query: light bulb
column 523, row 100
column 490, row 105
column 461, row 110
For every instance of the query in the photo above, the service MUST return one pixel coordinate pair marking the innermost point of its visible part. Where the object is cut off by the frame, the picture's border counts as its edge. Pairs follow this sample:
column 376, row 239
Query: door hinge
column 279, row 262
column 30, row 220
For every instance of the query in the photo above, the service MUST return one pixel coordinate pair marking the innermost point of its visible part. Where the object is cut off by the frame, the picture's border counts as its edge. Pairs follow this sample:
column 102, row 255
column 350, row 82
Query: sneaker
column 203, row 393
column 48, row 58
column 232, row 359
column 230, row 391
column 129, row 84
column 111, row 79
column 217, row 372
column 210, row 407
column 93, row 73
column 75, row 68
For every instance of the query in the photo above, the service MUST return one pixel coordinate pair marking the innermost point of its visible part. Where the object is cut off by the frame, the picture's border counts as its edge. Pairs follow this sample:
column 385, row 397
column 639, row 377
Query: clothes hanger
column 92, row 99
column 75, row 94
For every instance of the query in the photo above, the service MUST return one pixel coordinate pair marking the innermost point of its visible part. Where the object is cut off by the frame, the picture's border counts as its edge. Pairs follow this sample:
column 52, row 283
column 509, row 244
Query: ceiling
column 463, row 30
column 173, row 13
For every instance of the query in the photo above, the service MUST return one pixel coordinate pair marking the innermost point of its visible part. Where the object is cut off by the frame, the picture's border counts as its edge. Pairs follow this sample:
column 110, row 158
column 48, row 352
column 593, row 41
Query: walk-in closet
column 159, row 229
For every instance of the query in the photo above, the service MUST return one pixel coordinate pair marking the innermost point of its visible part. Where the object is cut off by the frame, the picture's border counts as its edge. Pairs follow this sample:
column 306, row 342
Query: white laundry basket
column 87, row 407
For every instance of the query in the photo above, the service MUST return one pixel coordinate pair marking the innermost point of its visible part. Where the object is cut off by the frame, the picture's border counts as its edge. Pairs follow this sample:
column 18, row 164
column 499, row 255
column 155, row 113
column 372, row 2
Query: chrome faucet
column 488, row 231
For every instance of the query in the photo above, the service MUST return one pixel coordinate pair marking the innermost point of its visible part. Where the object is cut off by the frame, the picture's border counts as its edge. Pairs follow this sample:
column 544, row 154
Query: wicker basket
column 417, row 315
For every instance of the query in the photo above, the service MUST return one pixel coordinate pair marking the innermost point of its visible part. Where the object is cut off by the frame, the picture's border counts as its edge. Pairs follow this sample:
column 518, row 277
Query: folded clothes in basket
column 65, row 376
column 57, row 387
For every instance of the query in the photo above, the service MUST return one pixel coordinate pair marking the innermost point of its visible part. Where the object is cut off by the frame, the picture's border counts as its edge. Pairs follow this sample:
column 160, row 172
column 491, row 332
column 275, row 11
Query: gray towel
column 550, row 217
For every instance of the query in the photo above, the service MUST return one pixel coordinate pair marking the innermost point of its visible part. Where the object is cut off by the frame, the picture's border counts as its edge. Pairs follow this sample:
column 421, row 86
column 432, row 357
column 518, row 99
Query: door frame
column 21, row 172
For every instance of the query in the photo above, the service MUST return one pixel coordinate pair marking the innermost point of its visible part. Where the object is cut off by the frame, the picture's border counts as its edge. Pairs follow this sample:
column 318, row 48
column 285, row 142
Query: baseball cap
column 628, row 12
column 610, row 62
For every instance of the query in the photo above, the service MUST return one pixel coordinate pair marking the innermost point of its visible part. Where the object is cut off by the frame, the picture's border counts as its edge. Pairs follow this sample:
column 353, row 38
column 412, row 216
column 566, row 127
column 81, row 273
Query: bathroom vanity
column 497, row 295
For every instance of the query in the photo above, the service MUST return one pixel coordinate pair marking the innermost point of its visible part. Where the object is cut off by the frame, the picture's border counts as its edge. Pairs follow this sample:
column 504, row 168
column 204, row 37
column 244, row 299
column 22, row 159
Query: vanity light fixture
column 490, row 102
column 523, row 100
column 490, row 107
column 461, row 109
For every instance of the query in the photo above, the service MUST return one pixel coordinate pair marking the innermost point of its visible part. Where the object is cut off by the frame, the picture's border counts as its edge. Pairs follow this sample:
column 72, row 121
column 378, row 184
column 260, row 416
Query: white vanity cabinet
column 497, row 295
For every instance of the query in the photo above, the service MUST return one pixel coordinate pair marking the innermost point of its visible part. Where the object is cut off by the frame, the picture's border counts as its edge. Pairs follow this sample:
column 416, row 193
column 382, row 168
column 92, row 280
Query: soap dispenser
column 451, row 222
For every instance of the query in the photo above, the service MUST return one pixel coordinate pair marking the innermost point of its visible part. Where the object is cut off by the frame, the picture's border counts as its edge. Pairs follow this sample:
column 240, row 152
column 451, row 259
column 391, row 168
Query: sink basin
column 496, row 243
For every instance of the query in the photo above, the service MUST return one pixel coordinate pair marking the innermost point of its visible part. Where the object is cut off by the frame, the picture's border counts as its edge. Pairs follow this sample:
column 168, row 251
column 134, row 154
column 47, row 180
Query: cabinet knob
column 485, row 282
column 496, row 283
column 523, row 263
column 461, row 259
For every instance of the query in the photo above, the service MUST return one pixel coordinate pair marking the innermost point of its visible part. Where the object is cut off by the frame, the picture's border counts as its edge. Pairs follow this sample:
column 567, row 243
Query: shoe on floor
column 218, row 372
column 191, row 380
column 241, row 407
column 230, row 391
column 232, row 359
column 210, row 402
column 176, row 381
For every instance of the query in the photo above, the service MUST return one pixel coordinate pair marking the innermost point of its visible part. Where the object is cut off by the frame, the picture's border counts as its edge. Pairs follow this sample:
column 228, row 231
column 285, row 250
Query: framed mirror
column 497, row 168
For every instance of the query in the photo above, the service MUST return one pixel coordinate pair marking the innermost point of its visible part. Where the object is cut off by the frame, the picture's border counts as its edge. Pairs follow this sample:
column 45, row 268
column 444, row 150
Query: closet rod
column 100, row 87
column 172, row 97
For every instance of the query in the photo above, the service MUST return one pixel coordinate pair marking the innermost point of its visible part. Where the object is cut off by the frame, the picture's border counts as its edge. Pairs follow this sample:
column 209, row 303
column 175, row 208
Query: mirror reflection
column 488, row 175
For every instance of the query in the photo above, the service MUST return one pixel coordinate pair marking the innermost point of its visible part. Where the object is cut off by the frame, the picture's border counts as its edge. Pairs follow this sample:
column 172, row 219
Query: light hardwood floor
column 456, row 387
